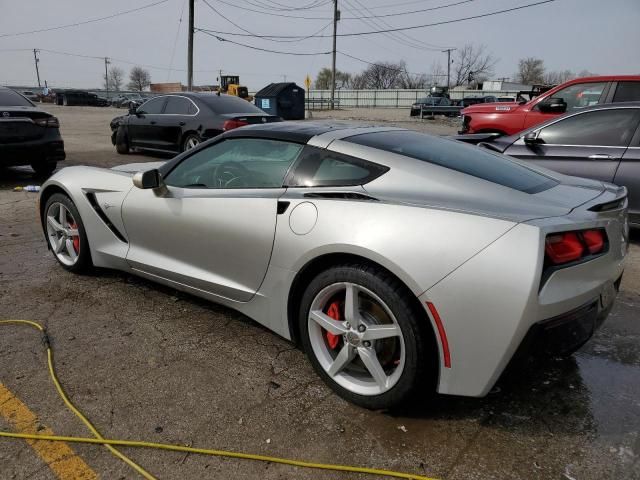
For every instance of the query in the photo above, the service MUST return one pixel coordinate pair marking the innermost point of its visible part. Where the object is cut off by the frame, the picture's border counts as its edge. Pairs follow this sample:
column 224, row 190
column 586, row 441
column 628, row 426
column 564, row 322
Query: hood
column 138, row 167
column 497, row 107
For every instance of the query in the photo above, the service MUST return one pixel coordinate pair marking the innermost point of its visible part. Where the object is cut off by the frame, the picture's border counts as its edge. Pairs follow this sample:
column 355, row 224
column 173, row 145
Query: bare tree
column 115, row 79
column 383, row 75
column 139, row 79
column 323, row 79
column 437, row 75
column 411, row 80
column 530, row 70
column 586, row 73
column 358, row 82
column 556, row 77
column 472, row 62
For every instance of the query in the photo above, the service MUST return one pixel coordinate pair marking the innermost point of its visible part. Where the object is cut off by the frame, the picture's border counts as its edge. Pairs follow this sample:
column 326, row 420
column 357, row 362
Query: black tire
column 84, row 263
column 421, row 353
column 187, row 139
column 122, row 141
column 43, row 169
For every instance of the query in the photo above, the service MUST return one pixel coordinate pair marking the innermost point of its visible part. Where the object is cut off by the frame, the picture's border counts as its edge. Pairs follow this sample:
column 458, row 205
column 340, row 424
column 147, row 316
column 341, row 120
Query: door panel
column 144, row 131
column 219, row 241
column 571, row 160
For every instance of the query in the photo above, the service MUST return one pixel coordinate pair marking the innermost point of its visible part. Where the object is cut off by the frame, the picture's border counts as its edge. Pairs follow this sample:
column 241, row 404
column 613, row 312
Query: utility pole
column 36, row 60
column 106, row 75
column 190, row 49
column 336, row 17
column 448, row 52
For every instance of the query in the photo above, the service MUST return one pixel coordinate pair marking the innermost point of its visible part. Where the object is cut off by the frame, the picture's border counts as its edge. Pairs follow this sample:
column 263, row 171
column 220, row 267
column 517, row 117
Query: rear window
column 9, row 98
column 458, row 156
column 228, row 104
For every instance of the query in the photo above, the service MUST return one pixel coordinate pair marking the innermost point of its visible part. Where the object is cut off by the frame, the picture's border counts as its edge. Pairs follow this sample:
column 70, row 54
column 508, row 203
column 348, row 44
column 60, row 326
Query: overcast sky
column 596, row 35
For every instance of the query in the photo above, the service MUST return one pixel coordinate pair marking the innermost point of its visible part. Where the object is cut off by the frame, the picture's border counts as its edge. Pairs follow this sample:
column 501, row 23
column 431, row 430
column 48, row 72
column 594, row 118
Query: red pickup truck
column 510, row 118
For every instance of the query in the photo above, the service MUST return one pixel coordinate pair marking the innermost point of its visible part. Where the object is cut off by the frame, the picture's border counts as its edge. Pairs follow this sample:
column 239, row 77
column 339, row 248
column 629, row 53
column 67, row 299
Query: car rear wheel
column 66, row 234
column 122, row 141
column 43, row 169
column 364, row 337
column 192, row 140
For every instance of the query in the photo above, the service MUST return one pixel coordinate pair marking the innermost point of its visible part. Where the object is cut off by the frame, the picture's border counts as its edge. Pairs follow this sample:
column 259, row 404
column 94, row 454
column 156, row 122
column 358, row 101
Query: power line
column 378, row 64
column 399, row 29
column 264, row 37
column 430, row 9
column 84, row 22
column 284, row 8
column 221, row 39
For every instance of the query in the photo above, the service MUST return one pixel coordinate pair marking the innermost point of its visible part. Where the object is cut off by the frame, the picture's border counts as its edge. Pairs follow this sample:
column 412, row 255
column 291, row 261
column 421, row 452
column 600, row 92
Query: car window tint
column 581, row 95
column 458, row 156
column 9, row 98
column 613, row 127
column 228, row 104
column 627, row 92
column 179, row 106
column 323, row 168
column 236, row 163
column 153, row 106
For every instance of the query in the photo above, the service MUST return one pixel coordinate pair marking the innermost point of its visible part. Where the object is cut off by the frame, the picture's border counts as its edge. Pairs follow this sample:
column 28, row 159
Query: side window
column 581, row 95
column 236, row 163
column 627, row 92
column 323, row 168
column 179, row 106
column 613, row 127
column 153, row 106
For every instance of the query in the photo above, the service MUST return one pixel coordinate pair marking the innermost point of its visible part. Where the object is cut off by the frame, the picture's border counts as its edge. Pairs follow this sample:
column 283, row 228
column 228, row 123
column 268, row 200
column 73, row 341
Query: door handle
column 601, row 156
column 152, row 122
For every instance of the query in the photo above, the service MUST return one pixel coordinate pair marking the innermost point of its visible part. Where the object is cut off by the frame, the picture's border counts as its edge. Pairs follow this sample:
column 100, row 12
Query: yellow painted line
column 58, row 456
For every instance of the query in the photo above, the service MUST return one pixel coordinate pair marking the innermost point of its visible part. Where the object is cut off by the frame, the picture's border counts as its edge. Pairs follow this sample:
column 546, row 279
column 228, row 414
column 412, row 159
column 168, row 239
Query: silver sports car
column 399, row 261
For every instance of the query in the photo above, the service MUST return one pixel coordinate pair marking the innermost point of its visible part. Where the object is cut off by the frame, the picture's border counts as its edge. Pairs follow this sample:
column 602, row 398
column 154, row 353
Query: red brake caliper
column 76, row 239
column 333, row 312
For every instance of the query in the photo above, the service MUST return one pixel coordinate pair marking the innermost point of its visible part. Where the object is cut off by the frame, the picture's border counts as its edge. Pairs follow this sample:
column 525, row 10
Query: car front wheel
column 190, row 142
column 365, row 337
column 66, row 234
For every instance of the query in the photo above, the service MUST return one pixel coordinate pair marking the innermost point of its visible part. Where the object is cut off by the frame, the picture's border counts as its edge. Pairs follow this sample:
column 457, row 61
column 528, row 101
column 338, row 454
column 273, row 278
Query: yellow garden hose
column 109, row 443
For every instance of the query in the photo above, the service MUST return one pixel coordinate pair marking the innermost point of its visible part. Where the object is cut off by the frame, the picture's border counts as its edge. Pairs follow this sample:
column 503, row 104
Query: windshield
column 9, row 98
column 458, row 156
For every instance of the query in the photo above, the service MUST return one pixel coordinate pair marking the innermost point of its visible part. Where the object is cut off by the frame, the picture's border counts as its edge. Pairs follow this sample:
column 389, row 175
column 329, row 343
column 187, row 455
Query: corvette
column 402, row 263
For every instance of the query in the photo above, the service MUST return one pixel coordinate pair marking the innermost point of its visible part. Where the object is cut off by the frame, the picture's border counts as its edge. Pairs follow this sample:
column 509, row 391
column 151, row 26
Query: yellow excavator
column 230, row 84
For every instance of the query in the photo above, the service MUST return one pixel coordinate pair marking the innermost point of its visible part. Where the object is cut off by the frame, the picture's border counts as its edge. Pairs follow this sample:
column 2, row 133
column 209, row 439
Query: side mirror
column 133, row 110
column 148, row 179
column 532, row 139
column 553, row 105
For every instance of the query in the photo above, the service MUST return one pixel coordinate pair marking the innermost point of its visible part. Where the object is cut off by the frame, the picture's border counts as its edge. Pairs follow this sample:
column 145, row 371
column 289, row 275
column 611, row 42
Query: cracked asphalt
column 144, row 362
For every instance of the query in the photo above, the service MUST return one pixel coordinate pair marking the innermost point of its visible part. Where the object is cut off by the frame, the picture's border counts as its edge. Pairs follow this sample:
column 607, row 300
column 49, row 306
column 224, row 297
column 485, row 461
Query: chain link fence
column 396, row 98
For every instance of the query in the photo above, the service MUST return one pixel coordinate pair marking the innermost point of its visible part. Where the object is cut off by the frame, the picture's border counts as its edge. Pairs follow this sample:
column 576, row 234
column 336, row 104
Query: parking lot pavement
column 147, row 363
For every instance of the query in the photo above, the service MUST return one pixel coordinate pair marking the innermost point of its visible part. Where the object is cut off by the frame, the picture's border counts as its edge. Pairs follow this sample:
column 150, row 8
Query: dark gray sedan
column 600, row 142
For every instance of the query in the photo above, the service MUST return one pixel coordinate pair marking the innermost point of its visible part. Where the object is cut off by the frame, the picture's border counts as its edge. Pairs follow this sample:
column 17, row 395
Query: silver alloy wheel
column 62, row 231
column 368, row 333
column 192, row 142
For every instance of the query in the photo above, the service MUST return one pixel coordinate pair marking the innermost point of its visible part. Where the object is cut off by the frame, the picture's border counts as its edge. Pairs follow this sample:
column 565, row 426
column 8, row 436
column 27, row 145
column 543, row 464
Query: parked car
column 567, row 97
column 601, row 142
column 468, row 101
column 401, row 262
column 430, row 101
column 128, row 100
column 80, row 98
column 28, row 135
column 179, row 121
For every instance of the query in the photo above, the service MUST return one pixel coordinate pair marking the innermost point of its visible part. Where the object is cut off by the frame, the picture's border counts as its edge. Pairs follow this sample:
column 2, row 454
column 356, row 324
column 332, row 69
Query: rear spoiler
column 475, row 138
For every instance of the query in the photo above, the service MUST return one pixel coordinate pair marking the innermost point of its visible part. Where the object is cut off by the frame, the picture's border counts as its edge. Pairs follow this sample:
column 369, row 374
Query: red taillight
column 571, row 246
column 594, row 240
column 231, row 124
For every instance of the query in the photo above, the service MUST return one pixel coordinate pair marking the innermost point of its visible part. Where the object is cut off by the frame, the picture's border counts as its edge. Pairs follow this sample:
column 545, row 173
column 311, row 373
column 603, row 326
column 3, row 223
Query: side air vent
column 94, row 203
column 606, row 207
column 341, row 195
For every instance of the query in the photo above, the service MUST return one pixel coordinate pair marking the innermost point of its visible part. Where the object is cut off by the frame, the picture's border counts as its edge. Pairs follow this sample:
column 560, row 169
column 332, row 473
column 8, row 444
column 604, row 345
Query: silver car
column 400, row 262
